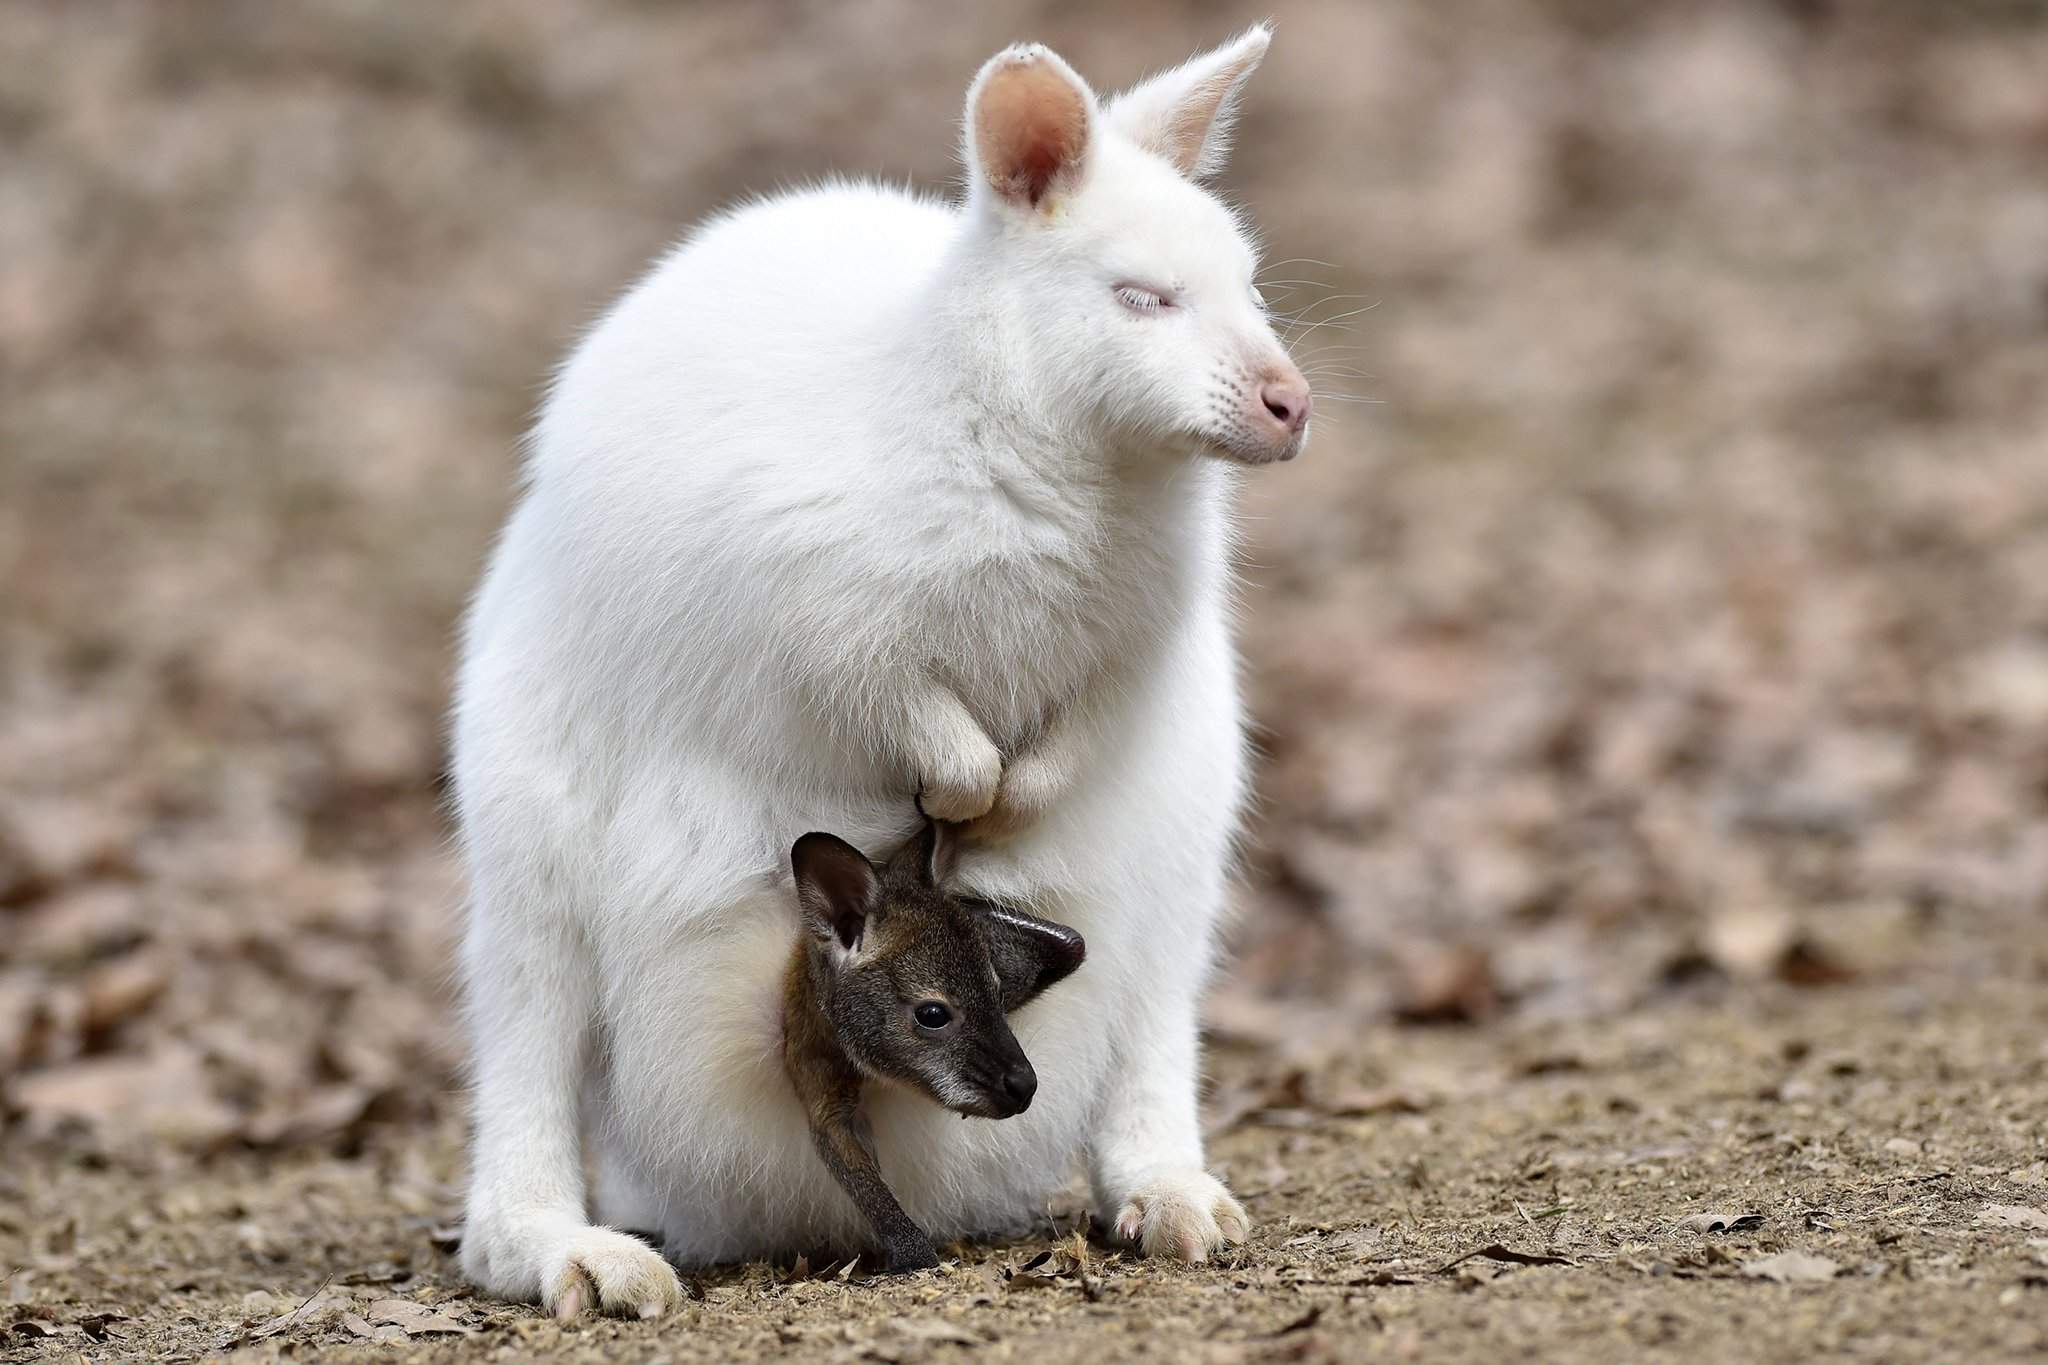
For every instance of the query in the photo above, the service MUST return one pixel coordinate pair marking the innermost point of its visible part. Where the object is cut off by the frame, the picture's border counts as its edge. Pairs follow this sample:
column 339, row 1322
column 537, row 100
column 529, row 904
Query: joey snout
column 1014, row 1090
column 999, row 1085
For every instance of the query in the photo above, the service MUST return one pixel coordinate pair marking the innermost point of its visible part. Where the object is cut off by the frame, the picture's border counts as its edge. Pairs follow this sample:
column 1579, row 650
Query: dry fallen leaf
column 360, row 1326
column 326, row 1114
column 1447, row 984
column 20, row 1001
column 1303, row 1323
column 416, row 1319
column 164, row 1093
column 2014, row 1216
column 98, row 1326
column 1792, row 1267
column 1358, row 1244
column 1361, row 1102
column 319, row 1310
column 938, row 1330
column 1757, row 942
column 119, row 990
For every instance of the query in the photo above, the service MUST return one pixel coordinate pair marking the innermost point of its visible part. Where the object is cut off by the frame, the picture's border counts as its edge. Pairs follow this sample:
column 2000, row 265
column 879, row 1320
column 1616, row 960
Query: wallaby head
column 915, row 981
column 1124, row 287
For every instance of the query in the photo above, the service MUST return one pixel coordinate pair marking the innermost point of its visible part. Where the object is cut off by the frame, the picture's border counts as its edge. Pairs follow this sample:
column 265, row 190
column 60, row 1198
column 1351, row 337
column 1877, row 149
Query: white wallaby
column 859, row 494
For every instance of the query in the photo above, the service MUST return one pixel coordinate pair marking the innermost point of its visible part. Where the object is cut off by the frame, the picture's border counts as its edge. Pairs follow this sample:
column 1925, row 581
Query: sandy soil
column 1764, row 1176
column 1650, row 662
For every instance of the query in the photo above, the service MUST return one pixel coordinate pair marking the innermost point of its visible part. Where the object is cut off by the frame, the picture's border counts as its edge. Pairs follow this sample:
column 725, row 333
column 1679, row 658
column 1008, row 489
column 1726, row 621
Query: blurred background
column 1673, row 617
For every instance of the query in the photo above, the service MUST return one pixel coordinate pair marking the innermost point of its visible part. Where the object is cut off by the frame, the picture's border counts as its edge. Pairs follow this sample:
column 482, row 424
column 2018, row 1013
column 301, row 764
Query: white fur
column 858, row 491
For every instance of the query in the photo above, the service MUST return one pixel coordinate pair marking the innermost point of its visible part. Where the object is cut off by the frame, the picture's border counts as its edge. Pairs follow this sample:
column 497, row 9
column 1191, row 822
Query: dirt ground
column 1770, row 1175
column 1643, row 947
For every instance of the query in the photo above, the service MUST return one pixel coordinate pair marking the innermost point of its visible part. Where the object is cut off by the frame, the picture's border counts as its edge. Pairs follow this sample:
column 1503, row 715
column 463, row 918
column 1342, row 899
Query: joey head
column 895, row 978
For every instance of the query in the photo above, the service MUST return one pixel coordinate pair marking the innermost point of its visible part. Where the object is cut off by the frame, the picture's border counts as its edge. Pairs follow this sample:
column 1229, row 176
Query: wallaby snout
column 1287, row 400
column 1285, row 404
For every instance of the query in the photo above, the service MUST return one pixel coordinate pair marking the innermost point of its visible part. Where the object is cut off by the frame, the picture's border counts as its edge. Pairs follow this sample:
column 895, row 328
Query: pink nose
column 1287, row 401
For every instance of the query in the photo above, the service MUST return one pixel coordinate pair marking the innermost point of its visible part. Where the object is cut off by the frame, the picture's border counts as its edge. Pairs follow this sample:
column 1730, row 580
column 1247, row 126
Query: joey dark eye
column 932, row 1014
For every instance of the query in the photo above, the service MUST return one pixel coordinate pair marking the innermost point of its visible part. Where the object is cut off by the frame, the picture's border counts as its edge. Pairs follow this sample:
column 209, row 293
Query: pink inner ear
column 1030, row 127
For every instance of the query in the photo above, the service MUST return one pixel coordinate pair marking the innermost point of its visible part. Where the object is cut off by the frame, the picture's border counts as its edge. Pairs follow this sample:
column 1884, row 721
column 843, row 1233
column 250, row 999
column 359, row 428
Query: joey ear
column 938, row 851
column 1029, row 122
column 836, row 886
column 1029, row 953
column 1185, row 114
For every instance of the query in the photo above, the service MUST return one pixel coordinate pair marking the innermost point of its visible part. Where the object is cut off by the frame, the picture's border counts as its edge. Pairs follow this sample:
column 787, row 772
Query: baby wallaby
column 896, row 978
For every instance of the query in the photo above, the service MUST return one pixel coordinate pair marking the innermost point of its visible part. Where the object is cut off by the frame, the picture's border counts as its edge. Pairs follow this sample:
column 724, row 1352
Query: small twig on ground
column 1496, row 1252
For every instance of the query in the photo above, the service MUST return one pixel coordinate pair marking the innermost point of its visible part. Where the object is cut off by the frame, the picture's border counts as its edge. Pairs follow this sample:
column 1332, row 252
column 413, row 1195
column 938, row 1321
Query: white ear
column 1029, row 122
column 1185, row 114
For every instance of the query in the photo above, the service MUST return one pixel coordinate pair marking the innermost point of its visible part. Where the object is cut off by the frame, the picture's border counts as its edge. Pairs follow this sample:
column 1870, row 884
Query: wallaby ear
column 1029, row 123
column 1029, row 953
column 836, row 886
column 1185, row 114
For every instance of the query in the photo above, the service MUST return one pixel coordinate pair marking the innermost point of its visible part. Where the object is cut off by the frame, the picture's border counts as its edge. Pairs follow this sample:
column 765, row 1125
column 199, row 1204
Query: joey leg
column 847, row 1146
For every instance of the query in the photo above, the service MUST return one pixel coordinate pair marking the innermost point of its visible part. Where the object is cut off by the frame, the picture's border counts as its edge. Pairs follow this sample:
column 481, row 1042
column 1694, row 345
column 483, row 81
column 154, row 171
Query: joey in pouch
column 895, row 978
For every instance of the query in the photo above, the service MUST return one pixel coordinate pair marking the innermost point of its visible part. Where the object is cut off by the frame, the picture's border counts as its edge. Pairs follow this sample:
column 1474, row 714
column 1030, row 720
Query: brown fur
column 879, row 944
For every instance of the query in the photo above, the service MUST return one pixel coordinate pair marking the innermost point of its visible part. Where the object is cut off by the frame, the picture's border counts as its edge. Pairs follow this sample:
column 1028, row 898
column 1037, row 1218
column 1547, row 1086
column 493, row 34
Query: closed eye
column 1142, row 299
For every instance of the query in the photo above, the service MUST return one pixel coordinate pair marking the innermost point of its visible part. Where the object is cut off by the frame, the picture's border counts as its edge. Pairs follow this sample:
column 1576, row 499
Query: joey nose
column 1020, row 1083
column 1287, row 401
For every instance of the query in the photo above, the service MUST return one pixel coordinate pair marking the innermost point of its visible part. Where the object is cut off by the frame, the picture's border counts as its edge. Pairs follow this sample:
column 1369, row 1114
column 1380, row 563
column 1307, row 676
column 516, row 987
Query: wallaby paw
column 964, row 786
column 1031, row 784
column 608, row 1270
column 1187, row 1215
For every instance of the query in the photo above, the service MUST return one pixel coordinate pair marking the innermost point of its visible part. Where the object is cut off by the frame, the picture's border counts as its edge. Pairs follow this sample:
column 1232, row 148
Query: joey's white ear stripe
column 942, row 852
column 1030, row 954
column 1029, row 122
column 1058, row 945
column 1185, row 115
column 836, row 886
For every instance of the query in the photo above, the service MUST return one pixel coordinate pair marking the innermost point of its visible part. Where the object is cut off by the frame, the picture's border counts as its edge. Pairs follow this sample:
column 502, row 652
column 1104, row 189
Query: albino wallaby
column 896, row 979
column 859, row 492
